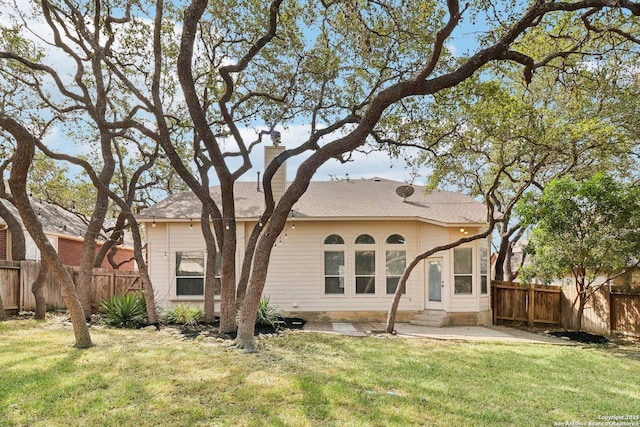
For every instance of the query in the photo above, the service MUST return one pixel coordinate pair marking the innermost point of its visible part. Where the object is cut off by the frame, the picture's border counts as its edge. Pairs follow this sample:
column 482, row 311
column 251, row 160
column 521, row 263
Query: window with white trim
column 334, row 265
column 365, row 264
column 190, row 273
column 463, row 271
column 190, row 269
column 396, row 262
column 484, row 268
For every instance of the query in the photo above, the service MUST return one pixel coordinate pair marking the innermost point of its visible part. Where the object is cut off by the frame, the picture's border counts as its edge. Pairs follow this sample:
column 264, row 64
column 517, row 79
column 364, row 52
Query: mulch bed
column 212, row 329
column 583, row 337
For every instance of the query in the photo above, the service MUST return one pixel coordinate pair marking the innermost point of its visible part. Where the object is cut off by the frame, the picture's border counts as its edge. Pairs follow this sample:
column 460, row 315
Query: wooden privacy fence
column 514, row 304
column 16, row 278
column 605, row 312
column 625, row 313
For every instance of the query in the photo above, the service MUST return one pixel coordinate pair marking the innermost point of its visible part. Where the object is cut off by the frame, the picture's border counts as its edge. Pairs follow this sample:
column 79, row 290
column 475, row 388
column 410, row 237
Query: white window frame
column 394, row 247
column 335, row 248
column 218, row 276
column 365, row 248
column 457, row 274
column 483, row 254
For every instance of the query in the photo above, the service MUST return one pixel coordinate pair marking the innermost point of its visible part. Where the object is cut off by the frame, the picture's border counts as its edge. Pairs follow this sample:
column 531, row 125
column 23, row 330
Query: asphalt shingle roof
column 53, row 218
column 362, row 198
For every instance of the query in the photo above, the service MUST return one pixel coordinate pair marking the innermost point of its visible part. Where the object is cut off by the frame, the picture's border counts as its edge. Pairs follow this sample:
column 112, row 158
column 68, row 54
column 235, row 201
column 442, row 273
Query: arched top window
column 365, row 239
column 334, row 239
column 395, row 239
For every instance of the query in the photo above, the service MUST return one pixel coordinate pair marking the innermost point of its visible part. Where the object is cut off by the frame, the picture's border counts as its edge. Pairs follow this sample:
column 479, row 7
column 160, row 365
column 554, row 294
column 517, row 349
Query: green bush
column 124, row 311
column 184, row 314
column 268, row 314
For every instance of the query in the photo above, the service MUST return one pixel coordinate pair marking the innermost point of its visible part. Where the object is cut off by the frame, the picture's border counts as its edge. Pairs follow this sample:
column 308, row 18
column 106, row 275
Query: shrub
column 124, row 311
column 184, row 314
column 268, row 314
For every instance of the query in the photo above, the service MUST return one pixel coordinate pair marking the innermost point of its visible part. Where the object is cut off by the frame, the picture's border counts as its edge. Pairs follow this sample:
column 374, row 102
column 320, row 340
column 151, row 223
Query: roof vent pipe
column 258, row 183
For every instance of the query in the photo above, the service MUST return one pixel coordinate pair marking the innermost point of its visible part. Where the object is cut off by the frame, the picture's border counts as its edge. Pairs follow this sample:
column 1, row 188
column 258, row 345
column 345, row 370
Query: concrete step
column 431, row 318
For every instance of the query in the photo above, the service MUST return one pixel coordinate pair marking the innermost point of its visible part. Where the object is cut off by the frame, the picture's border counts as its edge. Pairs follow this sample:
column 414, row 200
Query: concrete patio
column 456, row 333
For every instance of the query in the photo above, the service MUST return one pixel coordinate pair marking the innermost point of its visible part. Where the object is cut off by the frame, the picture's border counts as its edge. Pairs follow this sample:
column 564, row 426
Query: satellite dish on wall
column 405, row 191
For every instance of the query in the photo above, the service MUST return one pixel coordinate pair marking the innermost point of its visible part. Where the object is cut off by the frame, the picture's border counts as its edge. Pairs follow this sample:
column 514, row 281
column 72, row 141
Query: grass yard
column 144, row 378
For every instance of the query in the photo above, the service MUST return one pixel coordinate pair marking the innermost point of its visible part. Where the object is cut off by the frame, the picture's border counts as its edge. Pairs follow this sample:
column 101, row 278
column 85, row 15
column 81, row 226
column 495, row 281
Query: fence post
column 531, row 309
column 612, row 314
column 493, row 303
column 112, row 284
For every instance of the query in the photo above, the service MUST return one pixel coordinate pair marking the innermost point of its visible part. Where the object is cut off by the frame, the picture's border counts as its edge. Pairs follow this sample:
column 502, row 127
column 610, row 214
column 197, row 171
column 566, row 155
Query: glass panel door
column 435, row 280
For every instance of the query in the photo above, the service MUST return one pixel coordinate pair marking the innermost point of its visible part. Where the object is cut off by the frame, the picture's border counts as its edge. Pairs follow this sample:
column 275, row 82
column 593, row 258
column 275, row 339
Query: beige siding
column 164, row 241
column 167, row 239
column 464, row 304
column 295, row 280
column 158, row 257
column 474, row 302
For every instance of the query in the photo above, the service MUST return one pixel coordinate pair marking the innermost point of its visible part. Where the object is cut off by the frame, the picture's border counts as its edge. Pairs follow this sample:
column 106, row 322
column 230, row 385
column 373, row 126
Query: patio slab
column 454, row 333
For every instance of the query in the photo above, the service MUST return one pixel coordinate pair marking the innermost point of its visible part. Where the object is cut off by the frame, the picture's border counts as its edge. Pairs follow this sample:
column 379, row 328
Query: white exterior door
column 434, row 284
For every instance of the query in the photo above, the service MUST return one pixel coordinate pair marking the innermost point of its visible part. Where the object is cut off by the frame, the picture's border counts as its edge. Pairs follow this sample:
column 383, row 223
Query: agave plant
column 124, row 311
column 268, row 314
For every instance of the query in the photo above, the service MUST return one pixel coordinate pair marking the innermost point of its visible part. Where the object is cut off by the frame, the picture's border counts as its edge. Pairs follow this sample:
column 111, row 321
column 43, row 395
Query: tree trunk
column 70, row 296
column 37, row 288
column 147, row 286
column 228, row 322
column 509, row 274
column 210, row 288
column 116, row 235
column 228, row 290
column 581, row 297
column 18, row 183
column 581, row 305
column 87, row 256
column 245, row 338
column 149, row 296
column 402, row 282
column 210, row 272
column 18, row 244
column 249, row 251
column 502, row 257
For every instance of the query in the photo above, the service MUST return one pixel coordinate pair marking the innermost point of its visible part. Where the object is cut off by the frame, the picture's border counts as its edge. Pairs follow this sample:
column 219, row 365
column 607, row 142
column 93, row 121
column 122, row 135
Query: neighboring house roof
column 347, row 199
column 54, row 219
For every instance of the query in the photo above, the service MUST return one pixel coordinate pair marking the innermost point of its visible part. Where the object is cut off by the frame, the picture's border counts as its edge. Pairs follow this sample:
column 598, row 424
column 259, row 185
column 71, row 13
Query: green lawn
column 140, row 378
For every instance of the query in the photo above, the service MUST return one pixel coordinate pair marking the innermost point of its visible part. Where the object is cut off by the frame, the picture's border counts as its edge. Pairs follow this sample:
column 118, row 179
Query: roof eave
column 332, row 218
